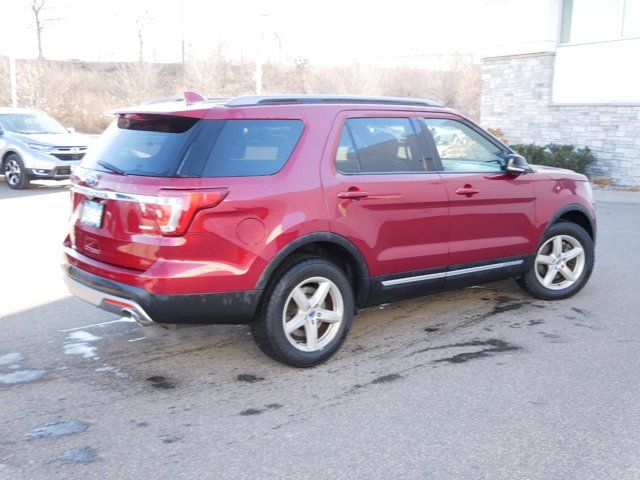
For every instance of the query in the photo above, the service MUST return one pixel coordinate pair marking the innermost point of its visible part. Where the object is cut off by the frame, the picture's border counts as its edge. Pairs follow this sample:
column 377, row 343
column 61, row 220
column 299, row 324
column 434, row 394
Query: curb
column 615, row 196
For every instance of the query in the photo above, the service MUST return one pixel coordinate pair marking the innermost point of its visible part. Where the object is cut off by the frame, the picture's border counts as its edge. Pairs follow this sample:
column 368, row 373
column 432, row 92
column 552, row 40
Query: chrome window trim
column 453, row 273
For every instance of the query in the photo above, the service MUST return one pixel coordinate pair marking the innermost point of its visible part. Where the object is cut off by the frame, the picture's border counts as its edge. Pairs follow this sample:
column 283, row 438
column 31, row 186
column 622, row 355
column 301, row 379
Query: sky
column 325, row 32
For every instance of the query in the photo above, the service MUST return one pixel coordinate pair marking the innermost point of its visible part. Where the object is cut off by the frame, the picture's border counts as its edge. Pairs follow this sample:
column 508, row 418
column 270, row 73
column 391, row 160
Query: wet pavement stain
column 79, row 455
column 160, row 382
column 387, row 378
column 531, row 323
column 493, row 345
column 258, row 411
column 431, row 329
column 59, row 428
column 251, row 411
column 248, row 378
column 172, row 439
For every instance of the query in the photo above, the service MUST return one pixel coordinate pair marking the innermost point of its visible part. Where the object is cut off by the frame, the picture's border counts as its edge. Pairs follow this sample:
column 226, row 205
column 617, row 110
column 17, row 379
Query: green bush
column 561, row 156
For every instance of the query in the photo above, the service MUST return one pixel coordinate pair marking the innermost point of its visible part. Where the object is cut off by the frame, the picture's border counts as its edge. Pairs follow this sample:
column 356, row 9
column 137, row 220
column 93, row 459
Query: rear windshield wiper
column 111, row 168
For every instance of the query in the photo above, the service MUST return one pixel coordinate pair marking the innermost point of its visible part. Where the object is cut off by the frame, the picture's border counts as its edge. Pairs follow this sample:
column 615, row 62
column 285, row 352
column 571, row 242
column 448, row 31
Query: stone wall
column 516, row 98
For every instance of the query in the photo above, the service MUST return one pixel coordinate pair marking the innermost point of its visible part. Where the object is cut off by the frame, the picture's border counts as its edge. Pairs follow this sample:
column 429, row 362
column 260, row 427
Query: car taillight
column 173, row 210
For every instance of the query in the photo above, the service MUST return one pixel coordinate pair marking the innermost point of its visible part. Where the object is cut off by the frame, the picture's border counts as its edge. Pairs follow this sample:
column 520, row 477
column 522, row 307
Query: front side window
column 379, row 145
column 462, row 149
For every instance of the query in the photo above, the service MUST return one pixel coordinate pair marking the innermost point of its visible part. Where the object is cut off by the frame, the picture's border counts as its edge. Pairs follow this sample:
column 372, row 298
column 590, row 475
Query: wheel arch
column 577, row 214
column 6, row 155
column 328, row 245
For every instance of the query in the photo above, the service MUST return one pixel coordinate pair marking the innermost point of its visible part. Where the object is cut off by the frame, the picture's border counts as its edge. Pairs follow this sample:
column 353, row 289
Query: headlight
column 39, row 147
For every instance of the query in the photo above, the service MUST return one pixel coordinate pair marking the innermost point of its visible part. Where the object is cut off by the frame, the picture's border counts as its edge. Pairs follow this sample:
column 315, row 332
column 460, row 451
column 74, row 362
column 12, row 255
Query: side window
column 252, row 147
column 462, row 149
column 379, row 145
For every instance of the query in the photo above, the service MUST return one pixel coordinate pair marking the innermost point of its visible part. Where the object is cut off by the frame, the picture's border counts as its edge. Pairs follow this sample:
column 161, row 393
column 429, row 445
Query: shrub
column 554, row 155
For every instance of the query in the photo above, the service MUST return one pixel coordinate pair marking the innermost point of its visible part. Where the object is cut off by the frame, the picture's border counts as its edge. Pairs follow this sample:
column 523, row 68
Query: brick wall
column 516, row 98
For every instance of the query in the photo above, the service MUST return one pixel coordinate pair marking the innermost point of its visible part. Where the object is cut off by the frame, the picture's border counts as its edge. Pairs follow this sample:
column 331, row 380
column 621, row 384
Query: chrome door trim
column 452, row 273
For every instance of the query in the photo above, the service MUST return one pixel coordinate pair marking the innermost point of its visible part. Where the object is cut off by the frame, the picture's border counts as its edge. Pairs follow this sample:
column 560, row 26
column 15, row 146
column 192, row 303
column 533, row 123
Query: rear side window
column 379, row 145
column 148, row 145
column 252, row 147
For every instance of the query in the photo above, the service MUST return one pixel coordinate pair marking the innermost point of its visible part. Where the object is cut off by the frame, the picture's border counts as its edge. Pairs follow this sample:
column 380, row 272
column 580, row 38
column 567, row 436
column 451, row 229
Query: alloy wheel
column 560, row 262
column 313, row 314
column 12, row 172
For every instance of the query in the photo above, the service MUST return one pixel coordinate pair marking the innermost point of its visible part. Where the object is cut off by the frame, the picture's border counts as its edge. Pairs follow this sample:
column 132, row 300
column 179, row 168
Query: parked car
column 291, row 212
column 33, row 146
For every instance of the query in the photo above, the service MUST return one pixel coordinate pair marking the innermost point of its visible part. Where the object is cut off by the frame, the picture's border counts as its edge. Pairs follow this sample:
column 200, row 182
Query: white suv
column 35, row 146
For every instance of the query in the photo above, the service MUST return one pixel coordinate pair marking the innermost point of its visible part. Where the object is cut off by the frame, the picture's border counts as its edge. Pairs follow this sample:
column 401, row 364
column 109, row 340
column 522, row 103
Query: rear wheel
column 14, row 172
column 563, row 263
column 306, row 314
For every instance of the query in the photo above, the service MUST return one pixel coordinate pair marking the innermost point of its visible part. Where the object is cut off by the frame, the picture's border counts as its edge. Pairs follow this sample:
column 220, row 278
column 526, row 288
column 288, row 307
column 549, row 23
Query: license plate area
column 92, row 213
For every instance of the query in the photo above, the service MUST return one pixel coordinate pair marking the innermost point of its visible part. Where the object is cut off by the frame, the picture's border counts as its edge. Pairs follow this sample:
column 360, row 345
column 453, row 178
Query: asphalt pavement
column 481, row 383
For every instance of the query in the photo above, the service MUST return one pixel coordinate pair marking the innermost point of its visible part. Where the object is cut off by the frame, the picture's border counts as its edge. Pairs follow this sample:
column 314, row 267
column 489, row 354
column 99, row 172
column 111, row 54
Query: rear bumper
column 127, row 300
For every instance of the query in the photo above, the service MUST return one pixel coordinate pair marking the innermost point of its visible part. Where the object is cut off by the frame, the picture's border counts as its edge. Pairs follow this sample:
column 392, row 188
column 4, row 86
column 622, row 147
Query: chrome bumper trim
column 99, row 299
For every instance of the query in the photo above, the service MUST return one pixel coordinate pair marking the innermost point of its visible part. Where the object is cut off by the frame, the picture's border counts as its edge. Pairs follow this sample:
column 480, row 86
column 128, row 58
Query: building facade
column 567, row 71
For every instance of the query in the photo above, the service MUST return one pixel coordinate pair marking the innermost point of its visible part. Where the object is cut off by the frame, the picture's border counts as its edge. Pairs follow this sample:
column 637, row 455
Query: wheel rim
column 560, row 262
column 313, row 314
column 12, row 172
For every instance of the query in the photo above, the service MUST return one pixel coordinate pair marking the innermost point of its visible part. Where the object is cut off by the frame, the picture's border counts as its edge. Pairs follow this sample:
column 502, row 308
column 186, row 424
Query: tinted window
column 252, row 147
column 379, row 145
column 462, row 149
column 150, row 145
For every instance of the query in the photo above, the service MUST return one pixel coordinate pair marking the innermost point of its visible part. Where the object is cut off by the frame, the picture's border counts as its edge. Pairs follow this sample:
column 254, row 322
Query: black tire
column 268, row 327
column 531, row 282
column 14, row 172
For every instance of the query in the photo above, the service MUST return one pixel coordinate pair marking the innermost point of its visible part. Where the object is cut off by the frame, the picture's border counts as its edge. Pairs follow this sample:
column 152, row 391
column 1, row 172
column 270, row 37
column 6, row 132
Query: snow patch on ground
column 81, row 344
column 111, row 369
column 11, row 358
column 82, row 336
column 79, row 455
column 59, row 428
column 21, row 376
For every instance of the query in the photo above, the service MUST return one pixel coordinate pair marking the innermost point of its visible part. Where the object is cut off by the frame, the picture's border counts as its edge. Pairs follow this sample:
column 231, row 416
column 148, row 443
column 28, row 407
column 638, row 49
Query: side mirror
column 517, row 164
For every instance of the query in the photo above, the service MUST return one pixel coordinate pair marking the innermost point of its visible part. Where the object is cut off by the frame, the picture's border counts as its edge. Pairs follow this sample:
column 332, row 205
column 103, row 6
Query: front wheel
column 14, row 172
column 306, row 314
column 563, row 263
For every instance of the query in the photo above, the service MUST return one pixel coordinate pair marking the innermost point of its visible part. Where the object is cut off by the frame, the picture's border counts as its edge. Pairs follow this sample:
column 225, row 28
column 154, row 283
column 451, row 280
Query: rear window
column 252, row 147
column 150, row 145
column 166, row 146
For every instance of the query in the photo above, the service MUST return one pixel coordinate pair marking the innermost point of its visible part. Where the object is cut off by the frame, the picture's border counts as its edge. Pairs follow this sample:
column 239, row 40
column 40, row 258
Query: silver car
column 35, row 146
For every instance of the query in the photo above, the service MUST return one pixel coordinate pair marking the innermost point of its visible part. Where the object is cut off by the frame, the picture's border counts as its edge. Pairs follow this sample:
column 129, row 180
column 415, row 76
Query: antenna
column 193, row 97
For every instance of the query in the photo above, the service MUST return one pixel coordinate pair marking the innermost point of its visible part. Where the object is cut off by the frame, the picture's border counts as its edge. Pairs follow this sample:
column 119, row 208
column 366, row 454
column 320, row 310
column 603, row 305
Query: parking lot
column 479, row 383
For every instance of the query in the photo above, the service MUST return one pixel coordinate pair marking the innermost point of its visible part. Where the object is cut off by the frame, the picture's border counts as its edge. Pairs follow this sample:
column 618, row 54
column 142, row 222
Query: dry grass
column 78, row 93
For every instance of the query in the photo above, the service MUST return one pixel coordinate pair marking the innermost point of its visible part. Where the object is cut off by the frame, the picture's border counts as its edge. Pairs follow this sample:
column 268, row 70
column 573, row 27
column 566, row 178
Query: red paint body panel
column 407, row 222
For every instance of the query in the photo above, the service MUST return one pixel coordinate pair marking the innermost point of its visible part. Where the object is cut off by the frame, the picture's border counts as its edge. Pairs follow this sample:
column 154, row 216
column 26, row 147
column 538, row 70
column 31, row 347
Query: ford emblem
column 91, row 179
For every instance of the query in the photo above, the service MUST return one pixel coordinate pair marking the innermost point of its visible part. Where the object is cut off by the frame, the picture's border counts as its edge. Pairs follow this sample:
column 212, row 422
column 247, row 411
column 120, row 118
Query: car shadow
column 38, row 187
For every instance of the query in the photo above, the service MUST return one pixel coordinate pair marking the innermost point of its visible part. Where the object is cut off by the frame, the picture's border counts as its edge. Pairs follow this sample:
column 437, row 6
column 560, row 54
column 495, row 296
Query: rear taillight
column 171, row 211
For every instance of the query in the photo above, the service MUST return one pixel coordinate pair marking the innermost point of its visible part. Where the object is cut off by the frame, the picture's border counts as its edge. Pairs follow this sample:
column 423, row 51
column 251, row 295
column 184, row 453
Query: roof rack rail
column 256, row 100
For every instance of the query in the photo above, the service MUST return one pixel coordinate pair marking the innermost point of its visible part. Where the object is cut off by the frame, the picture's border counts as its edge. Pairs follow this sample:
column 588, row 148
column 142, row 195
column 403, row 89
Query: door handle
column 353, row 194
column 467, row 190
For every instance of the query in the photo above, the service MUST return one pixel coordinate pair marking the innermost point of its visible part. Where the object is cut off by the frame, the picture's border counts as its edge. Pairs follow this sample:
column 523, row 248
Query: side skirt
column 399, row 286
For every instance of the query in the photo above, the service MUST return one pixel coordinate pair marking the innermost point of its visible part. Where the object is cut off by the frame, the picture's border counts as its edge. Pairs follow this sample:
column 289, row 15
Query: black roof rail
column 256, row 100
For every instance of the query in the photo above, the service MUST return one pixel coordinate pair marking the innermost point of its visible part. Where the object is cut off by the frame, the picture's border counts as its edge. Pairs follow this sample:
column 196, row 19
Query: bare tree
column 142, row 19
column 40, row 8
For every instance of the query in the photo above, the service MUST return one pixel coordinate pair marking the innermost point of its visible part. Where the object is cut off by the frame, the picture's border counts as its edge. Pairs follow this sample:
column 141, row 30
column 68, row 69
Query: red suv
column 290, row 212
